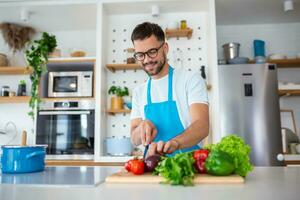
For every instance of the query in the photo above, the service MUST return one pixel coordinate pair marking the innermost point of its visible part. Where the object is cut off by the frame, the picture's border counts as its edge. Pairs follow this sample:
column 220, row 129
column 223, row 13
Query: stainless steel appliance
column 70, row 84
column 249, row 108
column 67, row 127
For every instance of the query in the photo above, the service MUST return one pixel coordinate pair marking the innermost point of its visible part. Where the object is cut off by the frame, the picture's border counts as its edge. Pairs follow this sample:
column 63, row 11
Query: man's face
column 154, row 62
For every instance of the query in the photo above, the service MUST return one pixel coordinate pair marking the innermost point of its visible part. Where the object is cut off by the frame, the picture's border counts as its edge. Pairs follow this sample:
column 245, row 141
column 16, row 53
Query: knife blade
column 145, row 151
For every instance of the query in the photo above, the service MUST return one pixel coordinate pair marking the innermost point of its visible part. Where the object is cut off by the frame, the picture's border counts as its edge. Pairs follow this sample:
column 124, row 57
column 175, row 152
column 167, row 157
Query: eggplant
column 151, row 162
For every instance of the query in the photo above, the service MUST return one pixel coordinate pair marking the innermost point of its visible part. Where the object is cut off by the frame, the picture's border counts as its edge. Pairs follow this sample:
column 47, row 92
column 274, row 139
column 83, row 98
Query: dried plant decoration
column 16, row 35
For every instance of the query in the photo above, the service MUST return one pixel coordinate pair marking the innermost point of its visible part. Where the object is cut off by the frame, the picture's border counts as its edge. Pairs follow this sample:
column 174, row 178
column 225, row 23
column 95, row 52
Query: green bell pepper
column 219, row 163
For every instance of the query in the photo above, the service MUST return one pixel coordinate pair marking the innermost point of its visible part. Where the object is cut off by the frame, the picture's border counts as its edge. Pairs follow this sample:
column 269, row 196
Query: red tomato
column 137, row 166
column 200, row 166
column 201, row 154
column 128, row 165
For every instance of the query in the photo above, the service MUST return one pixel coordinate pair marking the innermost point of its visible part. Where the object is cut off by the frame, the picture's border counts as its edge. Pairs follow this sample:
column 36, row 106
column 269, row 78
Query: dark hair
column 145, row 30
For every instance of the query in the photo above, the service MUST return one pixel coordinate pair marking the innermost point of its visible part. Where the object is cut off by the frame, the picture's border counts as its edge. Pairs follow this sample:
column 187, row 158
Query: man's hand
column 147, row 132
column 163, row 147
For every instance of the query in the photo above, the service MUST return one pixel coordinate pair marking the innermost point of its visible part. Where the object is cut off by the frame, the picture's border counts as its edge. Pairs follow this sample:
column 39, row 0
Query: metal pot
column 118, row 146
column 231, row 50
column 23, row 159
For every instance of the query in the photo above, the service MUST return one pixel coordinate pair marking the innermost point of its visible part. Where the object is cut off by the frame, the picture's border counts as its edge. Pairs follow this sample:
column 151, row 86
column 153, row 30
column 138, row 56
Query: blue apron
column 165, row 117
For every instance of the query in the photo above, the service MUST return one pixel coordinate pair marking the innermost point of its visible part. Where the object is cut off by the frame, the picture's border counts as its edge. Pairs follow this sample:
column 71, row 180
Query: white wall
column 17, row 113
column 279, row 38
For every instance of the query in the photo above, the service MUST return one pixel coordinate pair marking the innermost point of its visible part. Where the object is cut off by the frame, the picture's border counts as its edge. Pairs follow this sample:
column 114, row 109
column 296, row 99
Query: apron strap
column 170, row 87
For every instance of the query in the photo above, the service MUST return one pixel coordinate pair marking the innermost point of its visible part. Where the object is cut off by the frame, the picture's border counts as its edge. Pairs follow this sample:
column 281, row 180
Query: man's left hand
column 163, row 147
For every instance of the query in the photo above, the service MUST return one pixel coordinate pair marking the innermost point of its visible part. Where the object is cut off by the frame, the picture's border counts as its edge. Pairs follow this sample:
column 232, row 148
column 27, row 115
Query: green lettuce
column 238, row 150
column 177, row 170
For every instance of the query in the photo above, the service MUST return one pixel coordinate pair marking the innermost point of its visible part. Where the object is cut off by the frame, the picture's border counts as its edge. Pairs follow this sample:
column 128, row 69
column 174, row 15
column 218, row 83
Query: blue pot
column 23, row 159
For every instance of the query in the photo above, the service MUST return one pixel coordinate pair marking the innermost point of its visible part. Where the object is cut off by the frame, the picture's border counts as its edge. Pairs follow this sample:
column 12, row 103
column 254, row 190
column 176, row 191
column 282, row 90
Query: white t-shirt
column 188, row 88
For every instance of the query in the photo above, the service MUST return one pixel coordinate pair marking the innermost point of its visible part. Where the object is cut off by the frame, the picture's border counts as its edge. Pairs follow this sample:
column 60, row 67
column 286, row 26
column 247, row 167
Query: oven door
column 66, row 131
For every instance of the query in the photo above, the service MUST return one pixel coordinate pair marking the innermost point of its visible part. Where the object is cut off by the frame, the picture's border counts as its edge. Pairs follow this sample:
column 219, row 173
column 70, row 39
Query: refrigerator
column 249, row 108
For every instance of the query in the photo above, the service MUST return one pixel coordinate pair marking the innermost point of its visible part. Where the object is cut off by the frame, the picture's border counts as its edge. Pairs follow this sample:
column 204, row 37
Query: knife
column 145, row 151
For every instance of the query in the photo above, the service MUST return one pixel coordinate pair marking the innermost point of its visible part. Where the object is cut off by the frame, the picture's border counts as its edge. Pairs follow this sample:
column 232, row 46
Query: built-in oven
column 70, row 84
column 67, row 127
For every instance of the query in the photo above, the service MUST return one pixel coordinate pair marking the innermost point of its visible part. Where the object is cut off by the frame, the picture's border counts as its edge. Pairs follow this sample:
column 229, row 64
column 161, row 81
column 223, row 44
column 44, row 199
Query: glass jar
column 129, row 56
column 183, row 24
column 5, row 91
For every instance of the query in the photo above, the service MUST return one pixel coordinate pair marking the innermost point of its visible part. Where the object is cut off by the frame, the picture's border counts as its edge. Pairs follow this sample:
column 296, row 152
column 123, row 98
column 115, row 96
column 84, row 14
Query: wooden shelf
column 114, row 67
column 71, row 59
column 67, row 98
column 283, row 63
column 289, row 92
column 113, row 112
column 179, row 33
column 286, row 63
column 15, row 99
column 15, row 70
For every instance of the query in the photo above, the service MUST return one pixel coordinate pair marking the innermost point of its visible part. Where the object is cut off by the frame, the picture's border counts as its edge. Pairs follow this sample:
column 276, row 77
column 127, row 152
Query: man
column 170, row 110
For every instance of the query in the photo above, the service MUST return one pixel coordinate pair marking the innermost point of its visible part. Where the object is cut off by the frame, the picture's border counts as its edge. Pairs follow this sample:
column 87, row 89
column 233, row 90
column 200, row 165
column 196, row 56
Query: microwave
column 70, row 84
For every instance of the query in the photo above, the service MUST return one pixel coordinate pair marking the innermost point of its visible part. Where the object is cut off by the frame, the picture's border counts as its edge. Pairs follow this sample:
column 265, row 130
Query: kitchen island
column 88, row 183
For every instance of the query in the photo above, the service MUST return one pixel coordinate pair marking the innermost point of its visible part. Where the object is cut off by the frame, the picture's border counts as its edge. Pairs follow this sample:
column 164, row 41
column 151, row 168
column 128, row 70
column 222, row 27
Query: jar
column 183, row 24
column 129, row 55
column 5, row 91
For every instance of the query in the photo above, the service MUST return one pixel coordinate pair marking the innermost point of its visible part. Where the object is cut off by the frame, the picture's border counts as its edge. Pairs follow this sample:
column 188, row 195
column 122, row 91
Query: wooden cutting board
column 125, row 177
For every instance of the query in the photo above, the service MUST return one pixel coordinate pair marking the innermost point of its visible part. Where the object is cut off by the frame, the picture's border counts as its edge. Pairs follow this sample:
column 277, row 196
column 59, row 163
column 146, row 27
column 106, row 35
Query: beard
column 156, row 69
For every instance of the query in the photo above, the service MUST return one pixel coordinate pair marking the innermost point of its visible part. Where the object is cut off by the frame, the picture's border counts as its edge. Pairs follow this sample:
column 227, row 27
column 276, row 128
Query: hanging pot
column 117, row 103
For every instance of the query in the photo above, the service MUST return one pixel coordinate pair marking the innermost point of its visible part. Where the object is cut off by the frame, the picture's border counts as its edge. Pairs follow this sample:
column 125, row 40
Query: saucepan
column 23, row 159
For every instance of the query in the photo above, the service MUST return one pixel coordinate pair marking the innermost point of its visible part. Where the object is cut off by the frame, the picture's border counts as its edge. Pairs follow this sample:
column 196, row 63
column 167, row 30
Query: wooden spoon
column 24, row 138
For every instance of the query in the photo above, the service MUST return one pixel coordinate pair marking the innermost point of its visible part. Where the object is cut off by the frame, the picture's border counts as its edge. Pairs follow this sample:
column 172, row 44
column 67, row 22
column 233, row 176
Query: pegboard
column 183, row 53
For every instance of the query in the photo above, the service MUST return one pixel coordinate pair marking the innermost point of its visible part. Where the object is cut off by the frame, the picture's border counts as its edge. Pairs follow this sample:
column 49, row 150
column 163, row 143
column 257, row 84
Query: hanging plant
column 16, row 36
column 37, row 57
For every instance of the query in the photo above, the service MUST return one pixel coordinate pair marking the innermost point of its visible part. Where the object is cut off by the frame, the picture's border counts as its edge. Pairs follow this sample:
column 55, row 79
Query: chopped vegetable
column 200, row 166
column 177, row 170
column 238, row 150
column 128, row 165
column 200, row 154
column 219, row 163
column 137, row 166
column 151, row 162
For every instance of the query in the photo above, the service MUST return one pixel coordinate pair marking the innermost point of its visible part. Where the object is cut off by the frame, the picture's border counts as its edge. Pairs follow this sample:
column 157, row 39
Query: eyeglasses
column 151, row 53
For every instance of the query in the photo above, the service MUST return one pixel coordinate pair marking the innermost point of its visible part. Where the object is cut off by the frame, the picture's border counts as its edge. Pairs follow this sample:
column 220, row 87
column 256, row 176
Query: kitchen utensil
column 238, row 60
column 3, row 60
column 118, row 146
column 259, row 48
column 23, row 158
column 231, row 50
column 173, row 25
column 125, row 177
column 277, row 56
column 145, row 151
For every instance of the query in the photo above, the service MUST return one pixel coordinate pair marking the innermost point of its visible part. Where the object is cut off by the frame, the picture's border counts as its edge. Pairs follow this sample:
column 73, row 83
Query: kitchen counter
column 263, row 183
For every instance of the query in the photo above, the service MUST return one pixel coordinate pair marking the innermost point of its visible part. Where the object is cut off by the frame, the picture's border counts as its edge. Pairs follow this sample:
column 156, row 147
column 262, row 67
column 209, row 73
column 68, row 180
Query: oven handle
column 64, row 112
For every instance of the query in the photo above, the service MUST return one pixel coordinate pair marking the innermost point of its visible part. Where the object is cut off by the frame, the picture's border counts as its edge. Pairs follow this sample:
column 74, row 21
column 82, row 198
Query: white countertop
column 282, row 183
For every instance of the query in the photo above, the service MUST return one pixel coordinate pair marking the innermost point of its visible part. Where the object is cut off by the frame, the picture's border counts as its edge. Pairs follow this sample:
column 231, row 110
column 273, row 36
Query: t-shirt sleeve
column 135, row 111
column 196, row 90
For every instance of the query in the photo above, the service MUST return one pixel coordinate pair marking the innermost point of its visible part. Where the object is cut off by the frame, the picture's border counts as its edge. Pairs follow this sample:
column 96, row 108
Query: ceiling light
column 24, row 15
column 155, row 10
column 288, row 5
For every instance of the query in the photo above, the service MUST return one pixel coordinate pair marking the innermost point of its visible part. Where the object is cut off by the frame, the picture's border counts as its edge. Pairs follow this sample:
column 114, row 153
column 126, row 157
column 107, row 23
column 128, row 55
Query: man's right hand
column 147, row 132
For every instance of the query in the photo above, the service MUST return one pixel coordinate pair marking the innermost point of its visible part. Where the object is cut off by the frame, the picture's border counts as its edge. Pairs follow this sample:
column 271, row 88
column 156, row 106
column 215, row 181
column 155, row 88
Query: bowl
column 238, row 60
column 173, row 25
column 128, row 105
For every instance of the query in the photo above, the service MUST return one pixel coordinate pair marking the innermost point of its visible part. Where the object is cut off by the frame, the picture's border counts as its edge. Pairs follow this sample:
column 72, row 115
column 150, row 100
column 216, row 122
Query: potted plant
column 117, row 102
column 37, row 58
column 22, row 88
